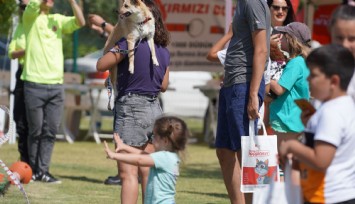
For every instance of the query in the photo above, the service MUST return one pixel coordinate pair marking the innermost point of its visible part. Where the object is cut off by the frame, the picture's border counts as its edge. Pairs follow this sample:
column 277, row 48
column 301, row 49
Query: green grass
column 82, row 167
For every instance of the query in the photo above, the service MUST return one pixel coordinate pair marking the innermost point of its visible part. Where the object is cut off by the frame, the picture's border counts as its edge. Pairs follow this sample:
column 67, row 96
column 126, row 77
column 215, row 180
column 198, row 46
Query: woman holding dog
column 136, row 104
column 282, row 13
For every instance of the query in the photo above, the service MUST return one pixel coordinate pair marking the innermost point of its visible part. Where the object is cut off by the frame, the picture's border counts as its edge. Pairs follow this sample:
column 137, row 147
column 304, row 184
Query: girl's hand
column 110, row 154
column 119, row 143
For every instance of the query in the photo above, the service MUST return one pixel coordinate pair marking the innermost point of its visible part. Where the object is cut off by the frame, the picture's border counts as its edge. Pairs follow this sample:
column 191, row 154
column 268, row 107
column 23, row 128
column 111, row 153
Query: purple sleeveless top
column 147, row 78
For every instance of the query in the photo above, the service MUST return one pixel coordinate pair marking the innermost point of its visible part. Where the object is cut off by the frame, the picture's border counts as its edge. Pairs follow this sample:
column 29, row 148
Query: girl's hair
column 162, row 35
column 174, row 129
column 290, row 13
column 333, row 60
column 295, row 47
column 344, row 12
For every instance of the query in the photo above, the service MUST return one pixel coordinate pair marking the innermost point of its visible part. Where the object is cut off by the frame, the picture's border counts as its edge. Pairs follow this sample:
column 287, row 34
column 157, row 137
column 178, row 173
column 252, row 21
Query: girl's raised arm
column 133, row 159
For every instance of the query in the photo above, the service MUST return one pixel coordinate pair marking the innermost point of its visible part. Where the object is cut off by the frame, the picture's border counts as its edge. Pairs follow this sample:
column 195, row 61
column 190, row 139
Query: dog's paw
column 155, row 62
column 131, row 69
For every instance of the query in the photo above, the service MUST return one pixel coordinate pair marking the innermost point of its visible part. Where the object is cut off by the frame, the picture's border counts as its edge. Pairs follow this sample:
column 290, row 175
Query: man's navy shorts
column 233, row 121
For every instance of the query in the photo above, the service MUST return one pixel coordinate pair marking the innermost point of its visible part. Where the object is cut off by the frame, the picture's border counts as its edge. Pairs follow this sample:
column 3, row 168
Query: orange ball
column 22, row 170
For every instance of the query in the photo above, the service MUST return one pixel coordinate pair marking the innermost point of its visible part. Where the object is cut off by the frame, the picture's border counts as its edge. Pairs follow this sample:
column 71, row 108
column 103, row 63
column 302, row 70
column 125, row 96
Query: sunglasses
column 277, row 8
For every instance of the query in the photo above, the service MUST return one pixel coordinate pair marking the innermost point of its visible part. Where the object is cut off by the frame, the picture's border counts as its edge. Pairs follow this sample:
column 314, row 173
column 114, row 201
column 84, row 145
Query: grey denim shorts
column 134, row 117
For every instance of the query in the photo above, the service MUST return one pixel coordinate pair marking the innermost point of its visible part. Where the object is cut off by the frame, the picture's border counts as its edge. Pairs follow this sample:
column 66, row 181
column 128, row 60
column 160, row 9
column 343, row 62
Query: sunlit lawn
column 82, row 167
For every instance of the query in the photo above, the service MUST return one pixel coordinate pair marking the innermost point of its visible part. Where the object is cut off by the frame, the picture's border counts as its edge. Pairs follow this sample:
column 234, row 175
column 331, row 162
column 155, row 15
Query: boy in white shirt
column 327, row 159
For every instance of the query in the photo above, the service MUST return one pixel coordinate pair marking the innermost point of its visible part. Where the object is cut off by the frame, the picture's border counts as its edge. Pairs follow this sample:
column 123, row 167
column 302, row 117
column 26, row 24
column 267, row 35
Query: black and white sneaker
column 48, row 178
column 36, row 177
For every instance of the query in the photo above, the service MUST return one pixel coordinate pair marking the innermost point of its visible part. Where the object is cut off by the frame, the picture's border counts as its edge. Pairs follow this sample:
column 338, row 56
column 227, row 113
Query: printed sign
column 194, row 25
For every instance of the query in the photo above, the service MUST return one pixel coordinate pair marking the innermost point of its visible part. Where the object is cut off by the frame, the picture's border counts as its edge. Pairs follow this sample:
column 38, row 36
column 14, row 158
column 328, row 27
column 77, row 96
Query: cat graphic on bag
column 262, row 168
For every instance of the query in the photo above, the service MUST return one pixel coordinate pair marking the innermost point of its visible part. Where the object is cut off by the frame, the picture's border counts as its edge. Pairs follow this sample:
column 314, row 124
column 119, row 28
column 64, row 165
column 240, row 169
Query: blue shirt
column 147, row 78
column 283, row 109
column 162, row 178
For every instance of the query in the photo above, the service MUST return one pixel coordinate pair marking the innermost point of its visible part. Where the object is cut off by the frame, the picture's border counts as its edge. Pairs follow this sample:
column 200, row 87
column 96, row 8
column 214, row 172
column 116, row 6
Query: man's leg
column 228, row 159
column 233, row 122
column 230, row 167
column 34, row 112
column 52, row 116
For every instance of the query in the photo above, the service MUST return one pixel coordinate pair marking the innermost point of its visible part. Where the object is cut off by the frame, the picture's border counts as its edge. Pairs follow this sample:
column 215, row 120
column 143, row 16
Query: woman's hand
column 276, row 37
column 109, row 60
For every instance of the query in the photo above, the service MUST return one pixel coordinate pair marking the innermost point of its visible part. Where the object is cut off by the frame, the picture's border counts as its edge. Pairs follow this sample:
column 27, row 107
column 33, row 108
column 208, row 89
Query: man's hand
column 78, row 13
column 96, row 20
column 253, row 107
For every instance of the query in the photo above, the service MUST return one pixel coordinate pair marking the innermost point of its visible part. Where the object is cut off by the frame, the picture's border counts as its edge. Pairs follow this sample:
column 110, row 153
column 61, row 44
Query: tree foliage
column 7, row 8
column 89, row 40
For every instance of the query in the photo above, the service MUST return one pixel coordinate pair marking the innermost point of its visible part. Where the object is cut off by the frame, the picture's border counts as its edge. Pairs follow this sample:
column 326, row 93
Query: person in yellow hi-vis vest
column 43, row 79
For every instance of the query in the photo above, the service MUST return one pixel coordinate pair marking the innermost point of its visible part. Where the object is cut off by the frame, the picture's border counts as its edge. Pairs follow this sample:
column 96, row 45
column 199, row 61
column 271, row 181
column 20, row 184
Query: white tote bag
column 279, row 192
column 259, row 160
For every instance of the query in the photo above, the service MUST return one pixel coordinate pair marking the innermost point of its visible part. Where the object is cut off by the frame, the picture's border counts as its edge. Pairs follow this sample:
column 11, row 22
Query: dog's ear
column 136, row 2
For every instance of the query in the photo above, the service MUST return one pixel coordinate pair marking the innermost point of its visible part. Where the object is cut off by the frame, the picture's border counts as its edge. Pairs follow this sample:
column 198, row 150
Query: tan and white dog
column 135, row 23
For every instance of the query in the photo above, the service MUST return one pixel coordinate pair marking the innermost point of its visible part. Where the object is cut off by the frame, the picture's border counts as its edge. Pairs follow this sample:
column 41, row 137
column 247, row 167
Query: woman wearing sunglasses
column 281, row 12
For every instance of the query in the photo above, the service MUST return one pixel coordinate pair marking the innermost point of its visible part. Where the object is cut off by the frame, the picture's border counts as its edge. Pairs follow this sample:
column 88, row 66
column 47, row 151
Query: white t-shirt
column 222, row 55
column 333, row 123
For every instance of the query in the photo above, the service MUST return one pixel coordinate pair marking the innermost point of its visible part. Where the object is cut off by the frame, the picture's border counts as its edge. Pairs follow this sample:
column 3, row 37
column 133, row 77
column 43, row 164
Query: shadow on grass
column 201, row 171
column 216, row 195
column 81, row 178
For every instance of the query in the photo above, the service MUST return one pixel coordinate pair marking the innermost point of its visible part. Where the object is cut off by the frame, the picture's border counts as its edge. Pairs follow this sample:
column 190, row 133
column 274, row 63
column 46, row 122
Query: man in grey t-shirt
column 243, row 91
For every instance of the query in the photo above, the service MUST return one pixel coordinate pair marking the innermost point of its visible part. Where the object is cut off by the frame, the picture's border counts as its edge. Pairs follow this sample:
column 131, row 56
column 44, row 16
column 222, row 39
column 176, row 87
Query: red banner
column 194, row 25
column 320, row 23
